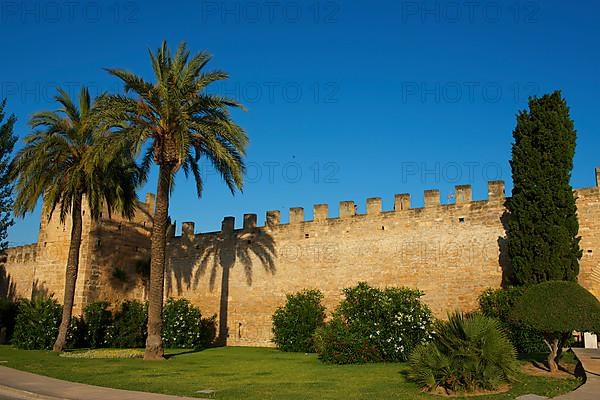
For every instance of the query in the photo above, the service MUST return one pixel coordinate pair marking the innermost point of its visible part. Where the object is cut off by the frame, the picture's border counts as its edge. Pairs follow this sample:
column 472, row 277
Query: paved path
column 19, row 385
column 590, row 390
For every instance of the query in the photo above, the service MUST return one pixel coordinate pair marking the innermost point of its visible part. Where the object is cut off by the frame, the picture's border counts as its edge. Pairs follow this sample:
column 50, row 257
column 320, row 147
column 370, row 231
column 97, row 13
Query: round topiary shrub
column 184, row 327
column 391, row 322
column 467, row 354
column 556, row 309
column 497, row 303
column 36, row 325
column 295, row 323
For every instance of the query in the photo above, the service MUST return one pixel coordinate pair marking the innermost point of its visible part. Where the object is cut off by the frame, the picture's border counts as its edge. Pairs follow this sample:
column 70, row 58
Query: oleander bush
column 295, row 323
column 374, row 324
column 337, row 343
column 497, row 303
column 36, row 324
column 8, row 315
column 97, row 320
column 77, row 334
column 129, row 327
column 468, row 353
column 184, row 327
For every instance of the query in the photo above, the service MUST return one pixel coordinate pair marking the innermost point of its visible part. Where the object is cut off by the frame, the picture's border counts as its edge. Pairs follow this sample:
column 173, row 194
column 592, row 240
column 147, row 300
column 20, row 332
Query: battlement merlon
column 496, row 191
column 321, row 212
column 463, row 195
column 19, row 254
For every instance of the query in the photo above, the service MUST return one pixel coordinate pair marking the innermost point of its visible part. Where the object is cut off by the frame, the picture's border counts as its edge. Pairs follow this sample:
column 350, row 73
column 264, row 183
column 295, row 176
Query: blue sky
column 346, row 100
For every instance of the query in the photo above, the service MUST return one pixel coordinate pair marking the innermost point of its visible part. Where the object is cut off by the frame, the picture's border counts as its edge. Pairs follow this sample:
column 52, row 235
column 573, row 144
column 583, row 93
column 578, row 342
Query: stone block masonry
column 452, row 252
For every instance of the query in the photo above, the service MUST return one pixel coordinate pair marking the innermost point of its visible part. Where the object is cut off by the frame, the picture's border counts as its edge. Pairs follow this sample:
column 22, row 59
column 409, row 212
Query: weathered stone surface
column 109, row 244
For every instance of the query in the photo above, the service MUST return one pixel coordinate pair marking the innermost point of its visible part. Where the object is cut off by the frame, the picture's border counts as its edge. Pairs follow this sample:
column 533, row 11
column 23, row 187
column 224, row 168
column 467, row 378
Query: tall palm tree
column 67, row 160
column 175, row 122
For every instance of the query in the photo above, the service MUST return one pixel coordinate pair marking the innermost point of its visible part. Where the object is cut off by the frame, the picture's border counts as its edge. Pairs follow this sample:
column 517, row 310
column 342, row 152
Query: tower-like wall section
column 452, row 252
column 588, row 210
column 107, row 244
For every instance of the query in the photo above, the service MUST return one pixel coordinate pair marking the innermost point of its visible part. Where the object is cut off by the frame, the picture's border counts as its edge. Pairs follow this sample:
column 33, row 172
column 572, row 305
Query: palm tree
column 175, row 122
column 67, row 161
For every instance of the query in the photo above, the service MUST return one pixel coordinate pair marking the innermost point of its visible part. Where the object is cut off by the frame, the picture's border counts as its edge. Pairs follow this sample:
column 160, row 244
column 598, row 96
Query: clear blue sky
column 346, row 100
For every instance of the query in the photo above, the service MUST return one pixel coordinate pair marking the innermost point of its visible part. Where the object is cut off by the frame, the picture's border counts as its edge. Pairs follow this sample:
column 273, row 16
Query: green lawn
column 250, row 373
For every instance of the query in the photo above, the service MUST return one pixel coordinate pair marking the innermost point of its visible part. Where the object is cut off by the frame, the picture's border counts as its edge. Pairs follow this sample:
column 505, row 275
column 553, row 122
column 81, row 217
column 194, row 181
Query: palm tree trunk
column 154, row 345
column 71, row 275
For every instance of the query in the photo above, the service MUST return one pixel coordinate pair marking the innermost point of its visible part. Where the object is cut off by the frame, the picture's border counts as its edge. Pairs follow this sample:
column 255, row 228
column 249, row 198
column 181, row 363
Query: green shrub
column 336, row 343
column 36, row 325
column 208, row 331
column 8, row 315
column 295, row 323
column 557, row 308
column 183, row 326
column 77, row 334
column 467, row 353
column 392, row 321
column 497, row 303
column 97, row 319
column 129, row 326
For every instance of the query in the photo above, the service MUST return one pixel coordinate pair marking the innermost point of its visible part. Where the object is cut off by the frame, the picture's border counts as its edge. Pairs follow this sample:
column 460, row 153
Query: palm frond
column 175, row 120
column 66, row 157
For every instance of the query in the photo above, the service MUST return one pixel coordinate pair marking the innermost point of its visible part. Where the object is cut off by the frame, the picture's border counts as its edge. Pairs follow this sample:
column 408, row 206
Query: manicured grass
column 250, row 373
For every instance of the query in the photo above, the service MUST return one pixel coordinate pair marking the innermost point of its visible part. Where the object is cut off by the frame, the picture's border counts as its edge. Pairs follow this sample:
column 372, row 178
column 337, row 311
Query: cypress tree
column 7, row 143
column 542, row 227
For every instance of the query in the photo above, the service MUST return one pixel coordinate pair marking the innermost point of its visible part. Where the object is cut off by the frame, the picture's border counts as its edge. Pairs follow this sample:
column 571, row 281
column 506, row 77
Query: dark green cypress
column 542, row 227
column 7, row 143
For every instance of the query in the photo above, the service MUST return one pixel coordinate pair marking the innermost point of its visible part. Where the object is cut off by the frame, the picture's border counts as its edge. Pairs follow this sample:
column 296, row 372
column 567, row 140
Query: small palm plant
column 175, row 123
column 68, row 161
column 468, row 353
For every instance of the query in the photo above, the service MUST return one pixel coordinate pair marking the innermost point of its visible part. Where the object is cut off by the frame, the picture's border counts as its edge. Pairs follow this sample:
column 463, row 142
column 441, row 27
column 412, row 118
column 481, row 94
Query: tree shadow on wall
column 8, row 289
column 121, row 246
column 503, row 257
column 220, row 252
column 40, row 291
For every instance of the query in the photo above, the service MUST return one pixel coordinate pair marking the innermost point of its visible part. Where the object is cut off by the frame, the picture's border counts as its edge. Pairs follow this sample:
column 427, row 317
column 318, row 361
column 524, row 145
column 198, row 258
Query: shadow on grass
column 539, row 360
column 172, row 353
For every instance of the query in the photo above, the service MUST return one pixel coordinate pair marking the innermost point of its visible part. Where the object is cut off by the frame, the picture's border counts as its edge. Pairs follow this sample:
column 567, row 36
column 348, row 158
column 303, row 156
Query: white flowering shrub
column 384, row 324
column 184, row 327
column 36, row 325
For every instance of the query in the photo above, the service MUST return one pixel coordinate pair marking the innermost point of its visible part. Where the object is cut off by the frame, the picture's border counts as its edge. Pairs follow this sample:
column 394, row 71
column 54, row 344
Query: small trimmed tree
column 542, row 229
column 556, row 309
